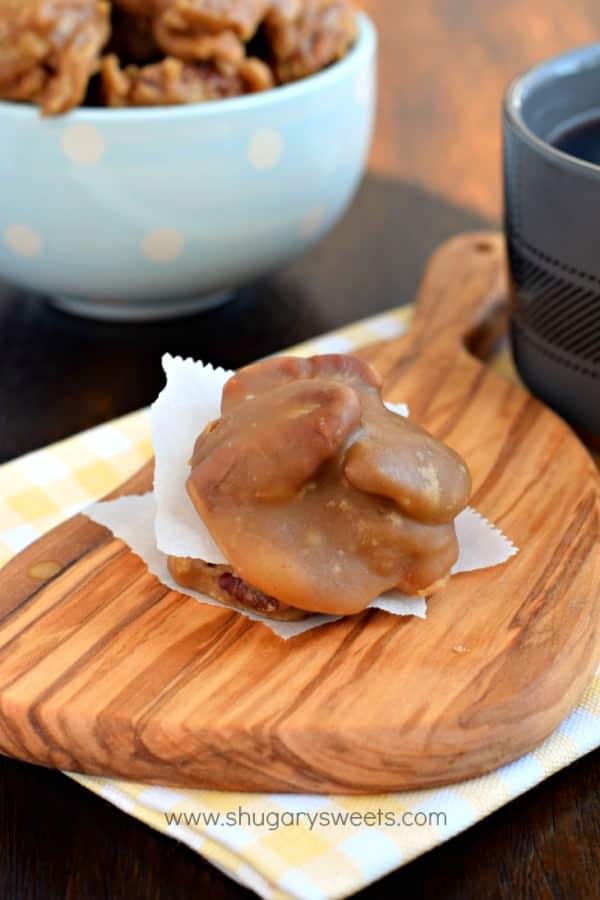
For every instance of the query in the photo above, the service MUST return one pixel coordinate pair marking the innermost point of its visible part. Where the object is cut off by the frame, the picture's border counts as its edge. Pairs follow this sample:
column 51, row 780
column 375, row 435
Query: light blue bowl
column 148, row 213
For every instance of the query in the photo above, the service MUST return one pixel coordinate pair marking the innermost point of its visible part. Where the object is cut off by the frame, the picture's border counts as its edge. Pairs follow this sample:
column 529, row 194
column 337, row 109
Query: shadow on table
column 60, row 374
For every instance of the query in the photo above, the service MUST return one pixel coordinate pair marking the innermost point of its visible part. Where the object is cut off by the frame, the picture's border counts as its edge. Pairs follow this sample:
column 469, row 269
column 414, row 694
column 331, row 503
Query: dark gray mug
column 552, row 221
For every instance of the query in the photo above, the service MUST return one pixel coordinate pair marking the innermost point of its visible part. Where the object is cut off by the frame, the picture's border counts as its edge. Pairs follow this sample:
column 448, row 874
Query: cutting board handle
column 465, row 279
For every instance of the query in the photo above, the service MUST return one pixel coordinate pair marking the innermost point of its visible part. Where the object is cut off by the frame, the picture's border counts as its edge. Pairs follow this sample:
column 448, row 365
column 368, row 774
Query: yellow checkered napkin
column 282, row 846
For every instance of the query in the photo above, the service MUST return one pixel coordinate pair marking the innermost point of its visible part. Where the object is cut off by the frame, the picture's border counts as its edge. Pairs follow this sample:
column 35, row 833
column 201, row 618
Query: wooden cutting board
column 103, row 670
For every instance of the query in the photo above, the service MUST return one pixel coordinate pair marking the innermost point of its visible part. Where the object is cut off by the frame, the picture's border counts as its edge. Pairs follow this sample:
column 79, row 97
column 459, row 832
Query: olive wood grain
column 103, row 670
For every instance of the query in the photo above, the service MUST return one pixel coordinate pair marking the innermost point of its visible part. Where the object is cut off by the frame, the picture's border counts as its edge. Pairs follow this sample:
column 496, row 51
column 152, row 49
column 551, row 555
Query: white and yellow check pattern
column 43, row 488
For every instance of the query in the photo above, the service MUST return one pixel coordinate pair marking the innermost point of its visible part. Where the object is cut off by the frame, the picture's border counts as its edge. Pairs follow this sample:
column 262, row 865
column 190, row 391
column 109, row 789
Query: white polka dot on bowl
column 23, row 241
column 265, row 148
column 312, row 221
column 83, row 144
column 163, row 245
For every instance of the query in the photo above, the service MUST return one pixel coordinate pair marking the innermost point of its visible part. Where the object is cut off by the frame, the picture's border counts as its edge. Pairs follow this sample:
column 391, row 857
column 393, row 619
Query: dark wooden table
column 435, row 171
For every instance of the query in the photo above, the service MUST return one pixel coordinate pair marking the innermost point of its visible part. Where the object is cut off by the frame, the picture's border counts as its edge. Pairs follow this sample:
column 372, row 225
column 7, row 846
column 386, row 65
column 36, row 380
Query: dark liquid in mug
column 579, row 137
